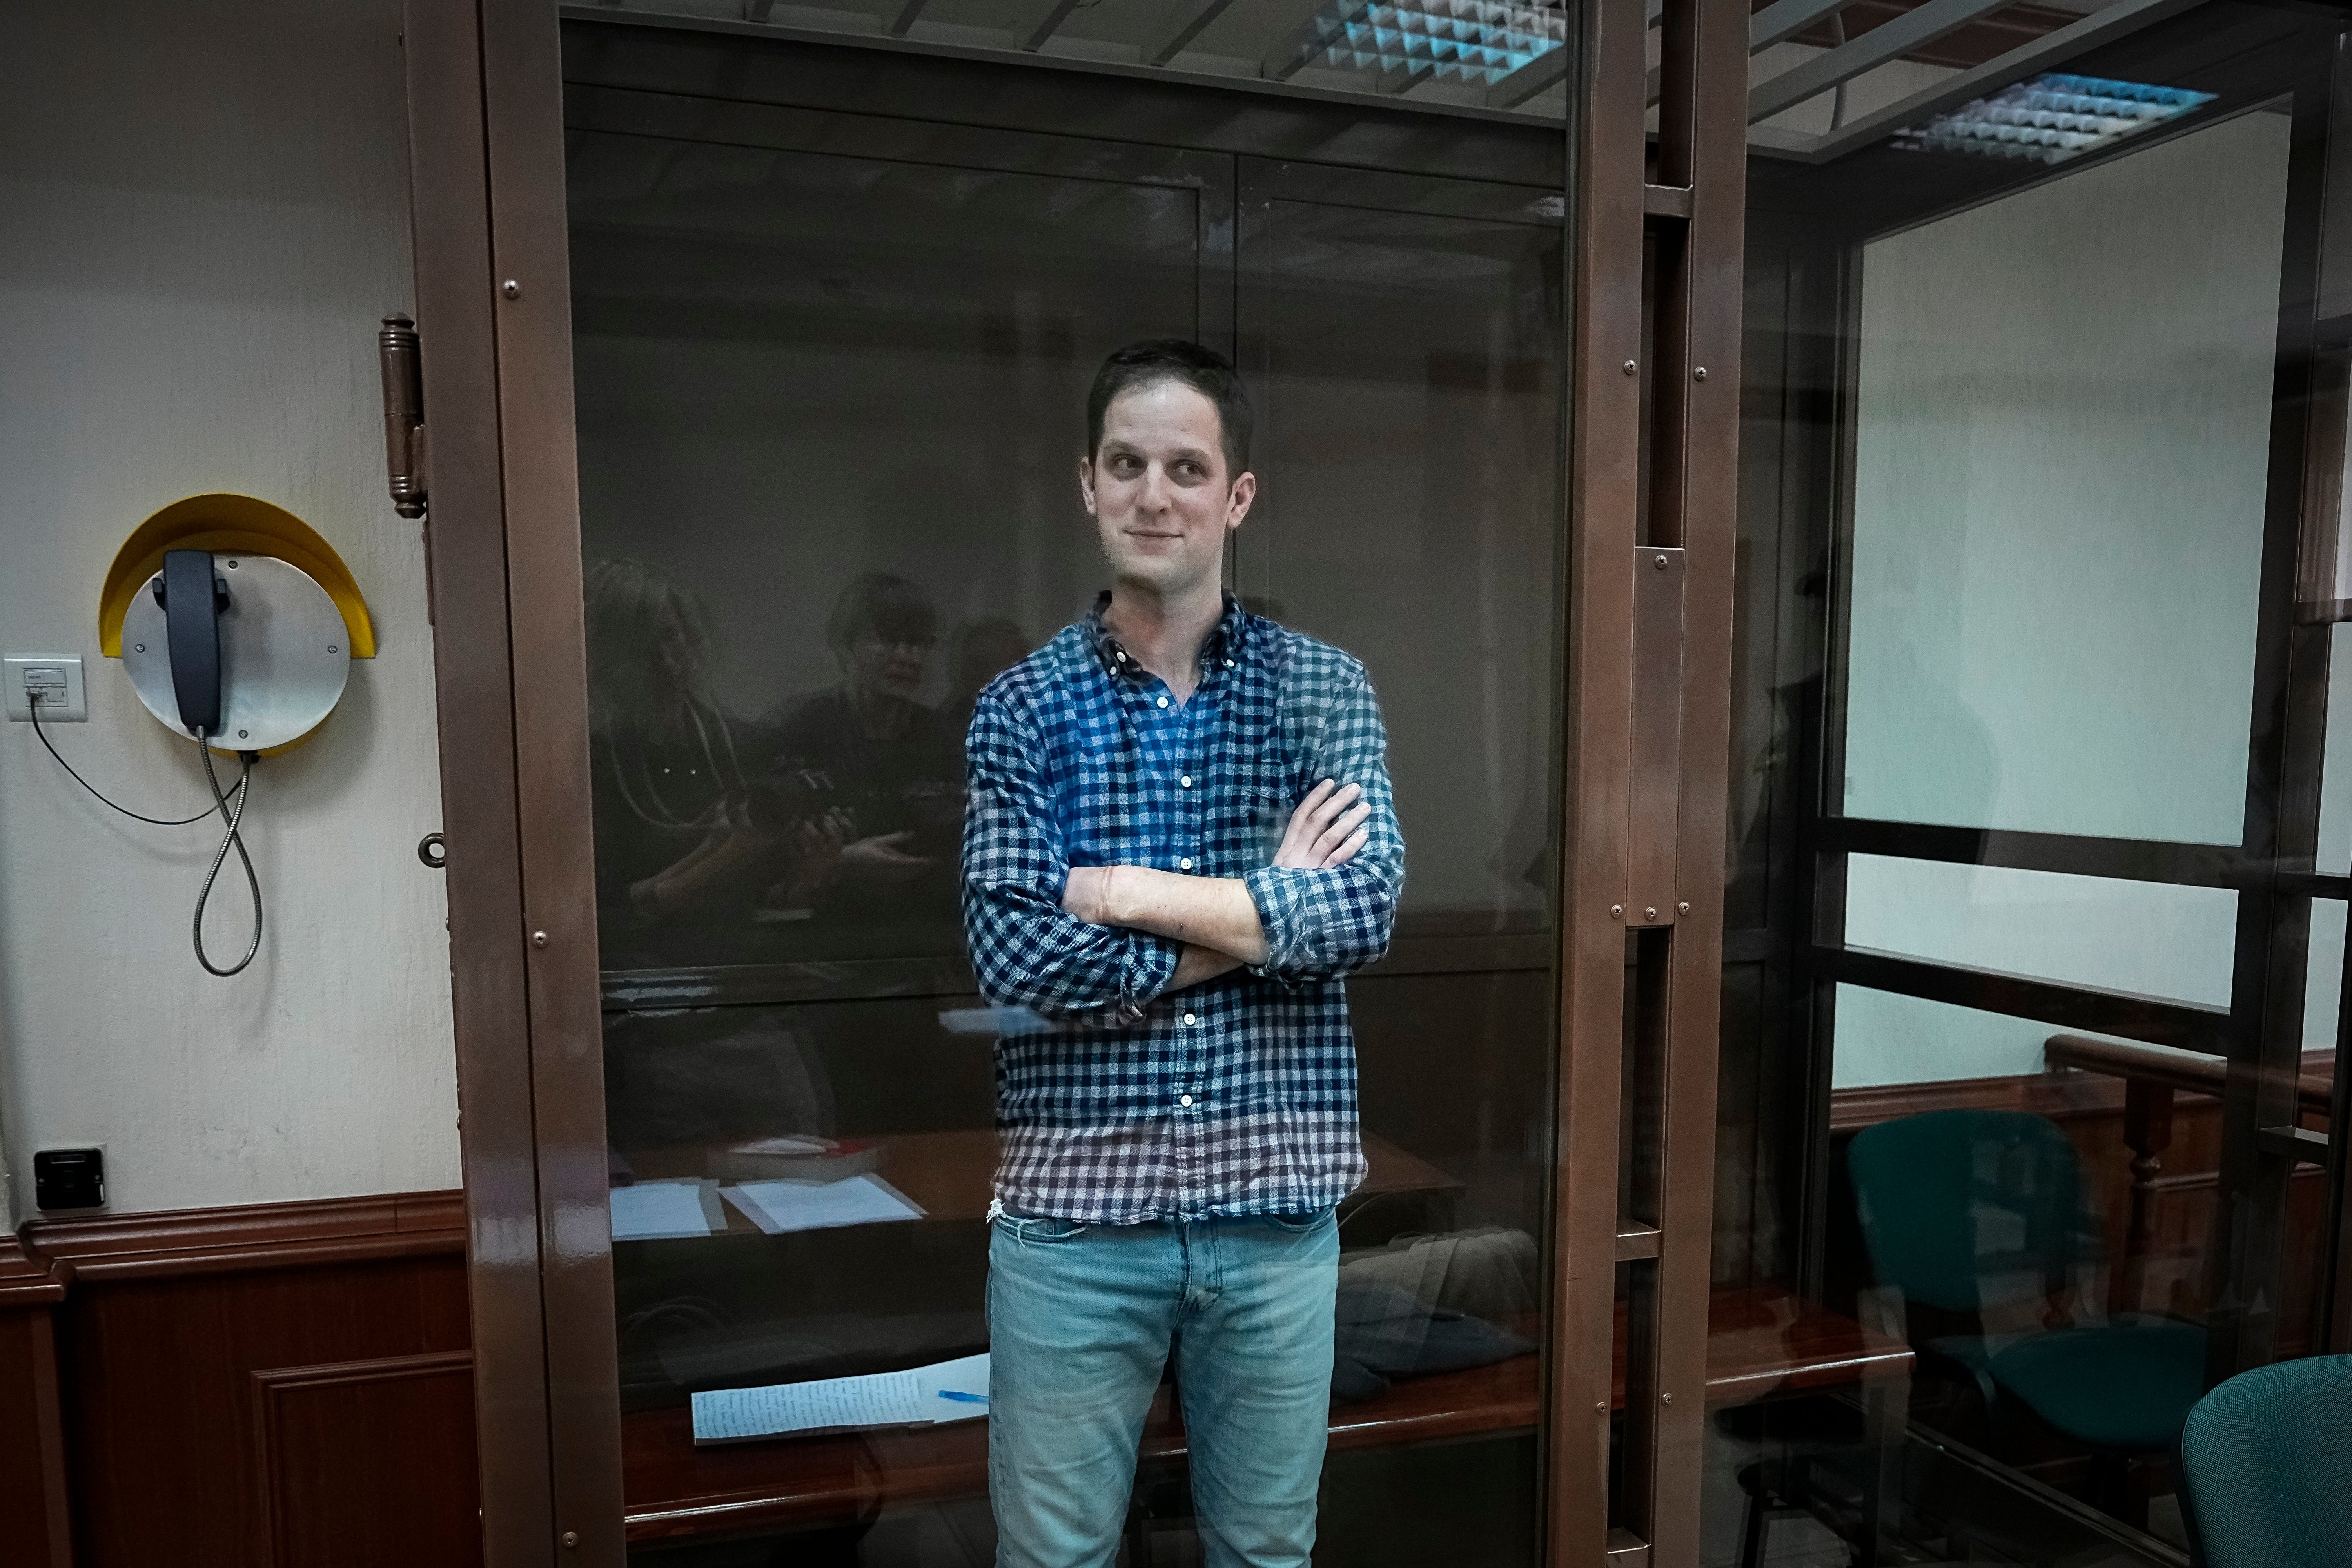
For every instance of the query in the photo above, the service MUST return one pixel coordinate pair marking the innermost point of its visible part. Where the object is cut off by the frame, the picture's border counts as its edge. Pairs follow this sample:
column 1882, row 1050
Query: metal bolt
column 1649, row 913
column 539, row 939
column 1615, row 910
column 232, row 566
column 571, row 1537
column 512, row 290
column 244, row 735
column 332, row 648
column 1683, row 908
column 1659, row 561
column 1631, row 368
column 139, row 648
column 1601, row 1406
column 1666, row 1399
column 1699, row 372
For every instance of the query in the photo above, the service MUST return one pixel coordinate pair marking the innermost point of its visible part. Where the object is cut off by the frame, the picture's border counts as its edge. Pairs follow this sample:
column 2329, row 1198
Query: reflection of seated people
column 978, row 652
column 674, row 832
column 894, row 767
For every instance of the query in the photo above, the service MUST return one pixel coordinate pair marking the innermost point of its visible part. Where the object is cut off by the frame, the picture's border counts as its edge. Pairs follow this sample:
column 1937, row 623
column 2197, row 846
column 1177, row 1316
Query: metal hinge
column 398, row 352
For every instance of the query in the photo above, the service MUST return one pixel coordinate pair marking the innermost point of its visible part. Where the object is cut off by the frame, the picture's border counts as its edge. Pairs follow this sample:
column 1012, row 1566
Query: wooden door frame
column 493, row 302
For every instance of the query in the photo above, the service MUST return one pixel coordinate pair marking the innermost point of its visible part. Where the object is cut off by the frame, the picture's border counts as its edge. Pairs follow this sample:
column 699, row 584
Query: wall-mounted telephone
column 193, row 596
column 236, row 625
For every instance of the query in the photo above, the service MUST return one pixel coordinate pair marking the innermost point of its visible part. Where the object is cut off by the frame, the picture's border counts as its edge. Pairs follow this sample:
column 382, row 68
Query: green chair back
column 1969, row 1209
column 2264, row 1460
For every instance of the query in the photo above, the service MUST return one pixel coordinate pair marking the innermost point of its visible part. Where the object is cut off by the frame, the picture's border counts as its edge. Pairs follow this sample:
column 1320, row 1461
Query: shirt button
column 1188, row 1018
column 1185, row 781
column 1163, row 702
column 1229, row 663
column 1185, row 863
column 1183, row 1099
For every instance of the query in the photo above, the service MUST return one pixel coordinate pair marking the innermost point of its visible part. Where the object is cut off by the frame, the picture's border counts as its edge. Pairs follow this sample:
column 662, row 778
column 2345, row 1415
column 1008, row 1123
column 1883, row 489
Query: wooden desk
column 950, row 1174
column 1759, row 1343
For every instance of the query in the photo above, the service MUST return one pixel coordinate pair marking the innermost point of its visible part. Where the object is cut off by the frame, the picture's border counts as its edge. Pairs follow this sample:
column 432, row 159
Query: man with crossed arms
column 1181, row 840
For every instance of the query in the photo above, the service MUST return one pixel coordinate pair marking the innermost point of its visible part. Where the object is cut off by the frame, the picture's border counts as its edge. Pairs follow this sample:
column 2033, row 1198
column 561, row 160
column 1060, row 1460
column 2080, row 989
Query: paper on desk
column 967, row 1375
column 837, row 1404
column 781, row 1205
column 655, row 1210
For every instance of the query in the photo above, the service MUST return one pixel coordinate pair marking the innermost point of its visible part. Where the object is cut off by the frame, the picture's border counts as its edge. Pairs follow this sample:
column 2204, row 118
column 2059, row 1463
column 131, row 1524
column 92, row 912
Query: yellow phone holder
column 236, row 528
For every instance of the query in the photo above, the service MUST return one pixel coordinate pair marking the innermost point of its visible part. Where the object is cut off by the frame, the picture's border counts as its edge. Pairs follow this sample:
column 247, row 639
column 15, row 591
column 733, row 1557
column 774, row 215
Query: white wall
column 2064, row 442
column 206, row 213
column 2061, row 454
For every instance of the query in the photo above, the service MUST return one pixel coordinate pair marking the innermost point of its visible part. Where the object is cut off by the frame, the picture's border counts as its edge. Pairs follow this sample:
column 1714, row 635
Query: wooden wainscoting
column 34, row 1512
column 286, row 1385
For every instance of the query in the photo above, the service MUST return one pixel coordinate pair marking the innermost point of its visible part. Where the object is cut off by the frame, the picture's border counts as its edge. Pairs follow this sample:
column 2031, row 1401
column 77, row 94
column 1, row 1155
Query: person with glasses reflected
column 677, row 839
column 1181, row 840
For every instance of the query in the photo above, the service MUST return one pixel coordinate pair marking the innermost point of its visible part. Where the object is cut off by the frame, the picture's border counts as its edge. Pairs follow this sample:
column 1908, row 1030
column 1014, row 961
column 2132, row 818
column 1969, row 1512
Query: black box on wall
column 69, row 1179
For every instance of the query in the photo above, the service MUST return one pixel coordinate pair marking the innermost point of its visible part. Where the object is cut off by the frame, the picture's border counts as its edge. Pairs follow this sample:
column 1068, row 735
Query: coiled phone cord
column 243, row 790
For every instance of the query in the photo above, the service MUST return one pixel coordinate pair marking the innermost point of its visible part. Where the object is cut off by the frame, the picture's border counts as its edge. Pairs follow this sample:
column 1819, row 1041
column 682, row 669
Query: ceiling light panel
column 2051, row 118
column 1474, row 42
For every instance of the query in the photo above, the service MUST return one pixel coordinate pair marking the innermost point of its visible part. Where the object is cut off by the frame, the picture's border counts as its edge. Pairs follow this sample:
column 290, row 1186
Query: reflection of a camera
column 931, row 809
column 782, row 799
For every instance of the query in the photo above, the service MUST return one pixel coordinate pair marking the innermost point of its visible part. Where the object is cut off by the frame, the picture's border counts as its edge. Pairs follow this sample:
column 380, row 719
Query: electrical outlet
column 69, row 1179
column 55, row 681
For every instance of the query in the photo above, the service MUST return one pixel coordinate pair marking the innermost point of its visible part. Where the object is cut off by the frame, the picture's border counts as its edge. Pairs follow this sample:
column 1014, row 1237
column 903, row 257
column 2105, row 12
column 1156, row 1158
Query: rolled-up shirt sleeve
column 1324, row 924
column 1025, row 949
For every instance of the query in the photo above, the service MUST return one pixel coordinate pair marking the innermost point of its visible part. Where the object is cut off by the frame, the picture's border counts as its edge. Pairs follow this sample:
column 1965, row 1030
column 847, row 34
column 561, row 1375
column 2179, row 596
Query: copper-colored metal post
column 474, row 674
column 1606, row 156
column 1694, row 496
column 522, row 100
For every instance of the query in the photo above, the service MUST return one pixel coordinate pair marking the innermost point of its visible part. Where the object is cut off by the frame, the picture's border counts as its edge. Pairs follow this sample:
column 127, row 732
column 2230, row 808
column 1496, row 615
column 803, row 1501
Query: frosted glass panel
column 2151, row 938
column 1883, row 1037
column 2323, row 975
column 2062, row 441
column 2335, row 856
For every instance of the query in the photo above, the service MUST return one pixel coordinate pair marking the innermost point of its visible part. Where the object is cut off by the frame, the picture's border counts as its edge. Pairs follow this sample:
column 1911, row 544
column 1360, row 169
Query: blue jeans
column 1081, row 1320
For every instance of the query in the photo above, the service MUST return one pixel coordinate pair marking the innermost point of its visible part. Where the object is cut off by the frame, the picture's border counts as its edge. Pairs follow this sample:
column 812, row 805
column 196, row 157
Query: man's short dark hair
column 1205, row 370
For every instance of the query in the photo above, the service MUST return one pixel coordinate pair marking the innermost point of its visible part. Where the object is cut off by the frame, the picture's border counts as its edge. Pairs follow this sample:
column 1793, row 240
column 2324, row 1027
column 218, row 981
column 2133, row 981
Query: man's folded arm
column 1026, row 950
column 1326, row 923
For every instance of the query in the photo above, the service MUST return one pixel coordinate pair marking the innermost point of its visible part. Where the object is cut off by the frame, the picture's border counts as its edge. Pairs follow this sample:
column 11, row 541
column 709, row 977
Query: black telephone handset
column 193, row 597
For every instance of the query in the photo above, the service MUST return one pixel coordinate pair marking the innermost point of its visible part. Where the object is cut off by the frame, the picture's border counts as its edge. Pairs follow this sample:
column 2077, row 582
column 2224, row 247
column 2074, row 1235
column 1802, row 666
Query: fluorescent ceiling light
column 2050, row 119
column 1476, row 42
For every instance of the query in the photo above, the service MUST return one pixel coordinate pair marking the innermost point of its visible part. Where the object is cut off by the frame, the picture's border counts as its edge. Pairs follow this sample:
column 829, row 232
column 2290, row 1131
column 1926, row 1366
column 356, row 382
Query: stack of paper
column 926, row 1396
column 781, row 1206
column 655, row 1210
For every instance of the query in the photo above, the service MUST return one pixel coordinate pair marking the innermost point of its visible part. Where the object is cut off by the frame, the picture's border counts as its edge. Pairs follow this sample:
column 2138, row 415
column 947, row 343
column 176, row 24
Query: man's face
column 1158, row 488
column 892, row 665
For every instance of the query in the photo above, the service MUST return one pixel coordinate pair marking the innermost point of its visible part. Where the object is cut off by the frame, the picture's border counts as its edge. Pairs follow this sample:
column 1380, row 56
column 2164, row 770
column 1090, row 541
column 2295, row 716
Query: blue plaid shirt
column 1119, row 1100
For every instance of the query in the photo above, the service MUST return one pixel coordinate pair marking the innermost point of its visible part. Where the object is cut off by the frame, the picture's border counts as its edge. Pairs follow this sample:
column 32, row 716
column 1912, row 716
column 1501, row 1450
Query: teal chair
column 1969, row 1211
column 2262, row 1481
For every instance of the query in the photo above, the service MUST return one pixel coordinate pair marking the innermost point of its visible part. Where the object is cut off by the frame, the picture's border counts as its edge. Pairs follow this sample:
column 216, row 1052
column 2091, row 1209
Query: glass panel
column 2061, row 442
column 2335, row 855
column 2011, row 469
column 832, row 396
column 2151, row 938
column 1410, row 402
column 827, row 409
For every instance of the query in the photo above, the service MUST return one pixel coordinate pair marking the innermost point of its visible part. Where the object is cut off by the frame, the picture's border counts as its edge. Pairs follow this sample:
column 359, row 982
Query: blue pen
column 960, row 1397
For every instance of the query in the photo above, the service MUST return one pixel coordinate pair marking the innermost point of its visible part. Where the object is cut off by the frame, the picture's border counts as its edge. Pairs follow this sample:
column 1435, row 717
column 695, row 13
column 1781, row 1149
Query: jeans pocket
column 1040, row 1227
column 1302, row 1224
